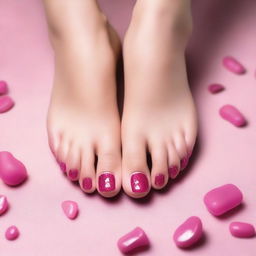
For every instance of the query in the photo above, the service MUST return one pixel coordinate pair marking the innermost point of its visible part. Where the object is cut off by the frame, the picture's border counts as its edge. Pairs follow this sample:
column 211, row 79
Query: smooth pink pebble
column 12, row 171
column 70, row 208
column 6, row 103
column 222, row 199
column 242, row 229
column 215, row 88
column 233, row 115
column 188, row 233
column 133, row 240
column 233, row 65
column 3, row 87
column 3, row 204
column 12, row 233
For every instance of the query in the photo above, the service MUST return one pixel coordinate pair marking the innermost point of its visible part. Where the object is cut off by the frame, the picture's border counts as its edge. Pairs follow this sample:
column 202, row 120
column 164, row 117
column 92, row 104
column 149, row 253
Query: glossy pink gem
column 6, row 103
column 3, row 87
column 188, row 233
column 242, row 229
column 232, row 115
column 3, row 204
column 233, row 65
column 133, row 240
column 70, row 208
column 12, row 233
column 12, row 171
column 215, row 88
column 222, row 199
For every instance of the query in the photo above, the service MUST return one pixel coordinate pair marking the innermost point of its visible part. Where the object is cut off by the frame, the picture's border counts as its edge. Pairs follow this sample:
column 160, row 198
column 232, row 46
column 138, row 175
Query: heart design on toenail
column 107, row 182
column 139, row 182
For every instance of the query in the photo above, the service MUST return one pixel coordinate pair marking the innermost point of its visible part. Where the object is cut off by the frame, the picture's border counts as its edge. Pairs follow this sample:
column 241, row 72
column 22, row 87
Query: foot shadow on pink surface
column 212, row 20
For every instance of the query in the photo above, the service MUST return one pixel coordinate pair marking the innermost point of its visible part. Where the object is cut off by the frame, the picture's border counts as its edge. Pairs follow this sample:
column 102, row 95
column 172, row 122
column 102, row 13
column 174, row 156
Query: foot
column 83, row 120
column 159, row 114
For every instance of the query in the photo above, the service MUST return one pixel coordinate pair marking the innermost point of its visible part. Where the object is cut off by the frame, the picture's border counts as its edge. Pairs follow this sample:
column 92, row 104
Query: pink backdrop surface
column 224, row 154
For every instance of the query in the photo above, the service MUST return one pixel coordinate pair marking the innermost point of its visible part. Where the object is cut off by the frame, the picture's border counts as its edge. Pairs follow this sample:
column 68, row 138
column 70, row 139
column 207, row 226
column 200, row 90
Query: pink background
column 224, row 154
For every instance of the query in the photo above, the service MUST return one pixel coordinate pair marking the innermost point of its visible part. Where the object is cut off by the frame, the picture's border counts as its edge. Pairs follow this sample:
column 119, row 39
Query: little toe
column 135, row 172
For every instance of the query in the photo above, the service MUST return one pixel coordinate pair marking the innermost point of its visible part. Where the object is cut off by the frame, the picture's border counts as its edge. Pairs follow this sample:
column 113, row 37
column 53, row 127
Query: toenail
column 87, row 183
column 73, row 173
column 159, row 180
column 173, row 172
column 107, row 182
column 184, row 163
column 62, row 166
column 139, row 182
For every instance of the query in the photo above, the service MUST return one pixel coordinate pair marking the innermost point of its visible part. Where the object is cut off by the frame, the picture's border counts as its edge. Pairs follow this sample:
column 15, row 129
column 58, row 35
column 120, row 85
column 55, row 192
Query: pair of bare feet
column 87, row 137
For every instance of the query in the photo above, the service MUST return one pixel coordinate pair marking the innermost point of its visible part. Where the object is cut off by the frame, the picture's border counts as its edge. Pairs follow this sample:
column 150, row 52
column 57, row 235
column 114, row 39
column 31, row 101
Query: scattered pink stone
column 3, row 204
column 70, row 209
column 222, row 199
column 6, row 103
column 12, row 233
column 232, row 115
column 12, row 171
column 215, row 88
column 233, row 65
column 135, row 239
column 242, row 229
column 3, row 87
column 188, row 233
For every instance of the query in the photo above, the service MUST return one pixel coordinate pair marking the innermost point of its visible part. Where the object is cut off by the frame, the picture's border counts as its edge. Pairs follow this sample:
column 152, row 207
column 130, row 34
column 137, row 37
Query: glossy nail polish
column 107, row 182
column 87, row 184
column 73, row 174
column 173, row 172
column 139, row 182
column 62, row 166
column 159, row 180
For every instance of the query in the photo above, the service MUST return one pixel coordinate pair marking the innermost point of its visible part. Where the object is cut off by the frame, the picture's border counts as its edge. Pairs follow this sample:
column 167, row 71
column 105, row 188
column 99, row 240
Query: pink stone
column 188, row 233
column 233, row 115
column 3, row 204
column 6, row 103
column 3, row 87
column 242, row 229
column 215, row 88
column 70, row 208
column 222, row 199
column 12, row 171
column 233, row 65
column 12, row 233
column 135, row 239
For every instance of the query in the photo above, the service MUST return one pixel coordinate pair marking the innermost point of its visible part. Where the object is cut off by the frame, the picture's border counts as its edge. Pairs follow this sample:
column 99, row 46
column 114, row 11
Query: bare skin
column 159, row 114
column 83, row 120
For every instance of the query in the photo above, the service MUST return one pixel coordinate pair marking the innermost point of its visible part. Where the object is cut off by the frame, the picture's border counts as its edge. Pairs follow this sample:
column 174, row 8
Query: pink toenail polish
column 62, row 166
column 159, row 180
column 87, row 183
column 73, row 173
column 173, row 172
column 107, row 182
column 139, row 182
column 184, row 163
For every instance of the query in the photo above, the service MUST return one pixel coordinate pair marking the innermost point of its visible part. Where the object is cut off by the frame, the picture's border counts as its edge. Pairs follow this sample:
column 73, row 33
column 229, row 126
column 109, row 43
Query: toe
column 181, row 148
column 108, row 174
column 62, row 153
column 87, row 171
column 159, row 172
column 135, row 173
column 173, row 161
column 73, row 162
column 53, row 141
